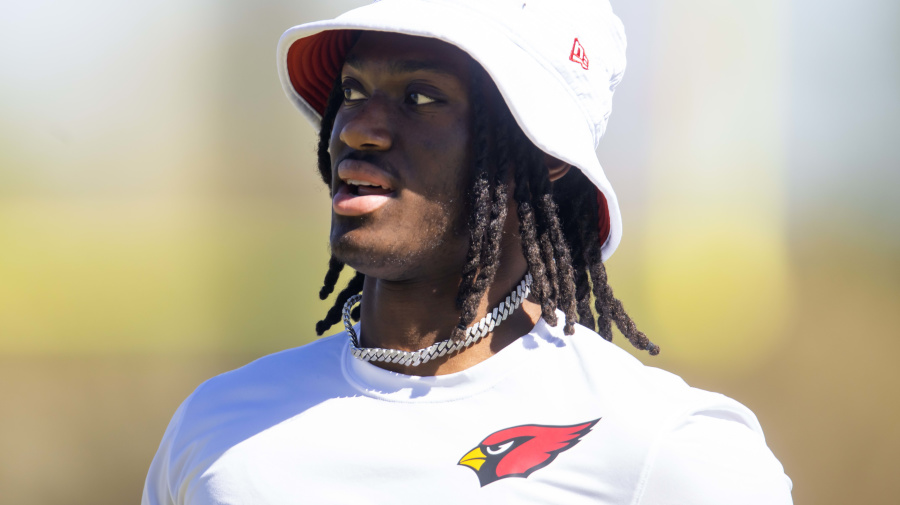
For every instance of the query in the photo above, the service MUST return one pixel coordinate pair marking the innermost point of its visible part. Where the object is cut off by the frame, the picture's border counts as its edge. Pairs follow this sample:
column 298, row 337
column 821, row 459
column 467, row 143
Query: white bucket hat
column 555, row 62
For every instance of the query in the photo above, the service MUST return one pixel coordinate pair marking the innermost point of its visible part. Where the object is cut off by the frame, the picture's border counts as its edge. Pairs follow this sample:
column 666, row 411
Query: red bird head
column 520, row 450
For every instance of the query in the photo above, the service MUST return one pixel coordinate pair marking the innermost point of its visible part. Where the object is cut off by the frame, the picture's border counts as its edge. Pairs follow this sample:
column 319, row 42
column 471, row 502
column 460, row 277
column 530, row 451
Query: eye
column 419, row 98
column 499, row 448
column 352, row 95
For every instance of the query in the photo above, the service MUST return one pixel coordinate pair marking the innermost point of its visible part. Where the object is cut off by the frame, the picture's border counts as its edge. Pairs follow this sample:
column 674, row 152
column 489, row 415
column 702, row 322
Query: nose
column 367, row 126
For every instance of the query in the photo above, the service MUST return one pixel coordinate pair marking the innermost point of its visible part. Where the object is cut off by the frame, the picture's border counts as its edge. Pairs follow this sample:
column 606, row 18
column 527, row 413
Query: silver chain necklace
column 474, row 333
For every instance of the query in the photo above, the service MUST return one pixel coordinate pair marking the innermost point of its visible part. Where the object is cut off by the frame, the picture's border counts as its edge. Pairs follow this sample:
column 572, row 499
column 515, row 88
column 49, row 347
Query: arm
column 158, row 487
column 713, row 458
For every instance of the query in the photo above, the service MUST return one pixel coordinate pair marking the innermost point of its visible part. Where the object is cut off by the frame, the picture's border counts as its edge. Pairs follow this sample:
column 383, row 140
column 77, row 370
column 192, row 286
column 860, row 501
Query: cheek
column 334, row 145
column 451, row 170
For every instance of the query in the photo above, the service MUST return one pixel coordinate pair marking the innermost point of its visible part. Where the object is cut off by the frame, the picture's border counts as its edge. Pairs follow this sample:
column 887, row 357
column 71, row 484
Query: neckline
column 382, row 384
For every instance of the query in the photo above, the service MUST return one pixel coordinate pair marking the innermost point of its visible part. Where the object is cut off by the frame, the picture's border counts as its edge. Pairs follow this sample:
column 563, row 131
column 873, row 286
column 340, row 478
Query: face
column 400, row 158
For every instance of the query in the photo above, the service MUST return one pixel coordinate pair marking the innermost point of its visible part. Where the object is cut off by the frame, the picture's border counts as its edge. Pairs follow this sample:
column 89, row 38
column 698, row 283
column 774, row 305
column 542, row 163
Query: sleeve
column 715, row 457
column 159, row 484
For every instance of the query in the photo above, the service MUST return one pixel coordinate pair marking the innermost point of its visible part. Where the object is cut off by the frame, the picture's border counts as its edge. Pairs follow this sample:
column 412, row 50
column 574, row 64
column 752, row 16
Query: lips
column 364, row 188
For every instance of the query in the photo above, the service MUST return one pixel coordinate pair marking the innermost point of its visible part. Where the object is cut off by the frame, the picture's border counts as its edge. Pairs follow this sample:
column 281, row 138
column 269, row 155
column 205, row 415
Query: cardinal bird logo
column 520, row 450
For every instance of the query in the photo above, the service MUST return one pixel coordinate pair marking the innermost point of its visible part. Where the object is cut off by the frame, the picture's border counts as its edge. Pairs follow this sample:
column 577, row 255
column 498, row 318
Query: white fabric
column 315, row 425
column 525, row 46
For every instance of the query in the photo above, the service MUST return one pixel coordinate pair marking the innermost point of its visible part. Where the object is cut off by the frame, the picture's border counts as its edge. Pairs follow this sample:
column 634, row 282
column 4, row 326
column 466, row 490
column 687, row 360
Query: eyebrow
column 401, row 66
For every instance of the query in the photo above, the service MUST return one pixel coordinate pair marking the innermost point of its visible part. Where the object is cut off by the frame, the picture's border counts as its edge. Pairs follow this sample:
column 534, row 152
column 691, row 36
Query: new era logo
column 578, row 55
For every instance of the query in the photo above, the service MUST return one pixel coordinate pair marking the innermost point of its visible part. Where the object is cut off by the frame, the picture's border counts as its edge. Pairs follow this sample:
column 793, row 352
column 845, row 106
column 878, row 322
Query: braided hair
column 558, row 224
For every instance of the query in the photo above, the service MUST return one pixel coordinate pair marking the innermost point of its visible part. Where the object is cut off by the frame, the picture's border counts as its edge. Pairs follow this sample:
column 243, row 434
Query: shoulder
column 687, row 445
column 648, row 394
column 289, row 379
column 237, row 405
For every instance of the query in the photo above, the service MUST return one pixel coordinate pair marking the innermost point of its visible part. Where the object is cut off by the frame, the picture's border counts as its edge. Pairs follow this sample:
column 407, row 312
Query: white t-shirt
column 549, row 419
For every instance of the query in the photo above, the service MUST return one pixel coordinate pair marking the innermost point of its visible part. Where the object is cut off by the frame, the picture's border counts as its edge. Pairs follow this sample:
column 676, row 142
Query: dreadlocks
column 558, row 224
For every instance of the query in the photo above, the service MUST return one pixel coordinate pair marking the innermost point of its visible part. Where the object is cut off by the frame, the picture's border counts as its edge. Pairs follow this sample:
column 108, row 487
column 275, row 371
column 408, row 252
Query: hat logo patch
column 579, row 55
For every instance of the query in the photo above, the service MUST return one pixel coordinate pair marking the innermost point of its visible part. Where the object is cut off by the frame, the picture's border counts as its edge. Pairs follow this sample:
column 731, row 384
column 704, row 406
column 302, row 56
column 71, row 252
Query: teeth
column 354, row 182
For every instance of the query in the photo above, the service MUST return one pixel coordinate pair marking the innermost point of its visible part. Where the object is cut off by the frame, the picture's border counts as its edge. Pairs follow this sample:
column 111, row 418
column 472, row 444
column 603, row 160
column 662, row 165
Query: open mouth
column 365, row 188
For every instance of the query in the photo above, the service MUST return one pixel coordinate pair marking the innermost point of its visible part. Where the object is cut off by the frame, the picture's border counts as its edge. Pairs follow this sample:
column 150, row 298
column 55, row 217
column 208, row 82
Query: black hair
column 558, row 224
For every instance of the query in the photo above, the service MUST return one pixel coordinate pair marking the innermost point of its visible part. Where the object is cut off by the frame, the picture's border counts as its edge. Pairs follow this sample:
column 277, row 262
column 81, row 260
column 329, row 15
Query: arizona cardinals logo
column 520, row 450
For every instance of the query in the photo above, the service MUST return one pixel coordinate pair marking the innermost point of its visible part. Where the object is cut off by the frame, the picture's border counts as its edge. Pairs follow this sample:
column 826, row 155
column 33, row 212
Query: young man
column 458, row 140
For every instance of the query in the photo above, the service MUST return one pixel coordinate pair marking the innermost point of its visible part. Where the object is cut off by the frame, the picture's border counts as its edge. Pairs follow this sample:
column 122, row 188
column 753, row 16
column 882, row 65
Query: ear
column 555, row 167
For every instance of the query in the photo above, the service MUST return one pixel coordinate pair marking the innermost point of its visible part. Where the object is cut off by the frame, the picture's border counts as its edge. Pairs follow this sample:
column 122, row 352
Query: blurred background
column 161, row 222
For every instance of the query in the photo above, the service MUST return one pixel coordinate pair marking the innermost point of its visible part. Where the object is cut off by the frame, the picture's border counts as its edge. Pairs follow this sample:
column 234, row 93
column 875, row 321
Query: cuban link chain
column 474, row 333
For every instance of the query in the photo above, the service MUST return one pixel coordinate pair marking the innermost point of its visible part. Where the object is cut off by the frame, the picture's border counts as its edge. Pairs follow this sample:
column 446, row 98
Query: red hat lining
column 313, row 64
column 603, row 221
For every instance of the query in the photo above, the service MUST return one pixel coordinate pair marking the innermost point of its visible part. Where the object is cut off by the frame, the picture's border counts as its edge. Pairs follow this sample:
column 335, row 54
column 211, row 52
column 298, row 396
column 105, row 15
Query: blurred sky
column 159, row 201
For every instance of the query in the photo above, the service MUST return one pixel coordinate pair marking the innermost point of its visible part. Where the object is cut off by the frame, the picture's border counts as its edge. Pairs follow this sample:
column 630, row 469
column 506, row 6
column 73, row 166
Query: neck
column 411, row 315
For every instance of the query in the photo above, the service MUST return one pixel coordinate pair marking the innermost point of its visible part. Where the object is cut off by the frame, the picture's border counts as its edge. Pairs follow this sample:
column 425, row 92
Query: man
column 458, row 140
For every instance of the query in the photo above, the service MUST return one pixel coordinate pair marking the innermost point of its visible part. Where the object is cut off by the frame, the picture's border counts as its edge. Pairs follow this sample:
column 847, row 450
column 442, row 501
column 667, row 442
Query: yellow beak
column 473, row 459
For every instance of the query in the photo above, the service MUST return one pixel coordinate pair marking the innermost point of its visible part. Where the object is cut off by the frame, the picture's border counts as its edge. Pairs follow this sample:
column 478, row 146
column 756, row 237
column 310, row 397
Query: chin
column 372, row 260
column 369, row 253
